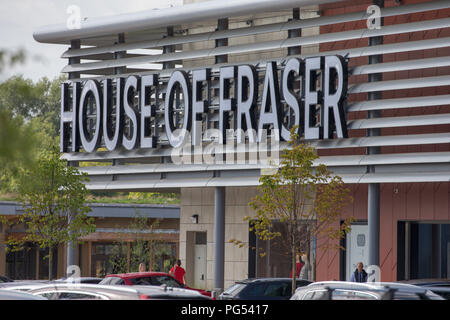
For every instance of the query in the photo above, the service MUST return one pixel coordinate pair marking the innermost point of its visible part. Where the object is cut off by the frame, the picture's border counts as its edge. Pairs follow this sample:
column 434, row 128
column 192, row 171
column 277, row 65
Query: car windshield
column 160, row 280
column 112, row 280
column 234, row 289
column 278, row 289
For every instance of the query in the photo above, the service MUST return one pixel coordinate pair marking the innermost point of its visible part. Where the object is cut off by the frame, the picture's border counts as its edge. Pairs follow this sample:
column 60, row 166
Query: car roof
column 24, row 283
column 375, row 286
column 252, row 280
column 18, row 295
column 81, row 278
column 137, row 274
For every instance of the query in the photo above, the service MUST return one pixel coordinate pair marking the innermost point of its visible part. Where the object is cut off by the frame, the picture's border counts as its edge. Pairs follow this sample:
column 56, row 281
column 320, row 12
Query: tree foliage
column 53, row 198
column 303, row 195
column 29, row 123
column 10, row 58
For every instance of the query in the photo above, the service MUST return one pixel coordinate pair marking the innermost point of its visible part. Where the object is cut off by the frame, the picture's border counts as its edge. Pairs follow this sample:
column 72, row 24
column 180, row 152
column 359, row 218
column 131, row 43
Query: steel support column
column 373, row 210
column 219, row 196
column 72, row 254
column 219, row 238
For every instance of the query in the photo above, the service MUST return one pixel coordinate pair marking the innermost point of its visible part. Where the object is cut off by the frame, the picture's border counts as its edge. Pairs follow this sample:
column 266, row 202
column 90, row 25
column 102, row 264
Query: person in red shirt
column 178, row 272
column 298, row 266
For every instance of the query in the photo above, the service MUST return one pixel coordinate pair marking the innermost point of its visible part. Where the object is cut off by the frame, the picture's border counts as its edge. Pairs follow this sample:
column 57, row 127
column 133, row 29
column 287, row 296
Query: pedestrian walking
column 305, row 272
column 360, row 275
column 142, row 267
column 178, row 272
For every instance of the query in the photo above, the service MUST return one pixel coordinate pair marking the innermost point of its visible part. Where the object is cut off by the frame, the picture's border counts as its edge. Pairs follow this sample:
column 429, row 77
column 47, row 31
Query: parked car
column 70, row 291
column 17, row 295
column 147, row 278
column 262, row 289
column 438, row 286
column 342, row 290
column 5, row 279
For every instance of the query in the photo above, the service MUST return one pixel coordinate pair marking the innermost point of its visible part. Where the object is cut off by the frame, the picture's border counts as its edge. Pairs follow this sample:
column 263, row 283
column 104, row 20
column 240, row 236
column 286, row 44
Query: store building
column 388, row 137
column 119, row 227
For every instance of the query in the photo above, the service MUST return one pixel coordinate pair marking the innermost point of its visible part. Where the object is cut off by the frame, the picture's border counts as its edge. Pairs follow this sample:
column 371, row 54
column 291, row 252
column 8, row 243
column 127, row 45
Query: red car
column 147, row 278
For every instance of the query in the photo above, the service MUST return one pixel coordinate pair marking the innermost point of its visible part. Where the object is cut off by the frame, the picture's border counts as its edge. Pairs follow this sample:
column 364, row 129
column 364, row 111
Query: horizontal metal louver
column 262, row 46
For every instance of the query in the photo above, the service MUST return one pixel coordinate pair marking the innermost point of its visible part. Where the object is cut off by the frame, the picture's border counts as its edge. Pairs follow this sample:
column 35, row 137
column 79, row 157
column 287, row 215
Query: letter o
column 93, row 87
column 182, row 79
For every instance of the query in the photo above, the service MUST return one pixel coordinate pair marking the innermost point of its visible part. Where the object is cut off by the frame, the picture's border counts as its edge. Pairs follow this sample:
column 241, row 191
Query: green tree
column 53, row 198
column 31, row 100
column 14, row 136
column 306, row 198
column 10, row 58
column 29, row 123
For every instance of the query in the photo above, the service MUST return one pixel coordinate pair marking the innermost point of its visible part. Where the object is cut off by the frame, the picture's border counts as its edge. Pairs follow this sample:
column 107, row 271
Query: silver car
column 24, row 285
column 69, row 291
column 18, row 295
column 342, row 290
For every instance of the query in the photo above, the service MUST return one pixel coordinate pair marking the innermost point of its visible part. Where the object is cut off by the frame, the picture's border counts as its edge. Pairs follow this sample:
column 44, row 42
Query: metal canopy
column 110, row 210
column 158, row 18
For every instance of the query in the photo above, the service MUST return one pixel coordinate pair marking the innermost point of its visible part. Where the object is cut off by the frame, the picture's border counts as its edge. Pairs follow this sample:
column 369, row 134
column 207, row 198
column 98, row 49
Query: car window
column 445, row 295
column 48, row 295
column 340, row 294
column 278, row 290
column 253, row 290
column 301, row 283
column 141, row 281
column 169, row 281
column 234, row 289
column 116, row 280
column 442, row 285
column 78, row 296
column 106, row 280
column 406, row 296
column 316, row 295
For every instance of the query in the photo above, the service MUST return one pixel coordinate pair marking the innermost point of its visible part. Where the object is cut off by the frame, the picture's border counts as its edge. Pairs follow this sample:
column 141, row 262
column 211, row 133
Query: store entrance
column 423, row 250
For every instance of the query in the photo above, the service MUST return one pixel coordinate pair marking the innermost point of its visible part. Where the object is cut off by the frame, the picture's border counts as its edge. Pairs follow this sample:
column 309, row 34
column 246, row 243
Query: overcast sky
column 19, row 18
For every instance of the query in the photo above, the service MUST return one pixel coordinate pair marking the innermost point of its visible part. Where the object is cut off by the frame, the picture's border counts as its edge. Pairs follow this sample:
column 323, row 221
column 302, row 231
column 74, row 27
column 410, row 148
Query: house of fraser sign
column 312, row 91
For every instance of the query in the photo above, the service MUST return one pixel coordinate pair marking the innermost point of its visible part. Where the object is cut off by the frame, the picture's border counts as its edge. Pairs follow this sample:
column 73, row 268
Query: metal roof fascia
column 165, row 17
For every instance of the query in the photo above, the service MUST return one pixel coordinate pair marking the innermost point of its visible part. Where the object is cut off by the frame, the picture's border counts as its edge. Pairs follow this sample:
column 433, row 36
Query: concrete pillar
column 2, row 251
column 373, row 209
column 219, row 238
